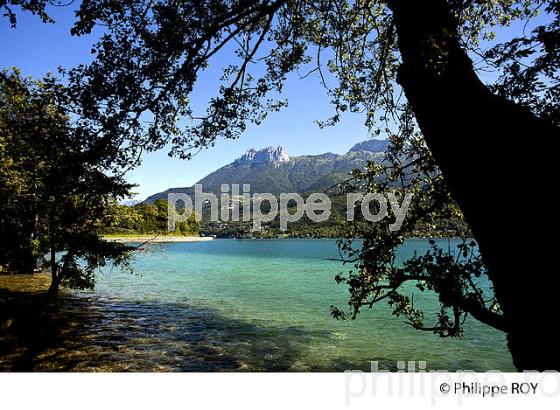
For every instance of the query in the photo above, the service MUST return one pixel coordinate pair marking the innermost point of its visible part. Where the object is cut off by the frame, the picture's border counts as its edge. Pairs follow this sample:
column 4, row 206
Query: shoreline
column 157, row 239
column 149, row 322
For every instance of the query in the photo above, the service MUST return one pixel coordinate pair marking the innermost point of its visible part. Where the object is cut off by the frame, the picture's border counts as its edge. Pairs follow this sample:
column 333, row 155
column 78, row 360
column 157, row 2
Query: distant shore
column 156, row 239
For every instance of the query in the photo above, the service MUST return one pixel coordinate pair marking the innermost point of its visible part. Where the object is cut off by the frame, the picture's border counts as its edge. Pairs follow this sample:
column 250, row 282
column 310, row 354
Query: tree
column 367, row 53
column 145, row 219
column 55, row 192
column 23, row 119
column 121, row 219
column 36, row 7
column 191, row 227
column 453, row 273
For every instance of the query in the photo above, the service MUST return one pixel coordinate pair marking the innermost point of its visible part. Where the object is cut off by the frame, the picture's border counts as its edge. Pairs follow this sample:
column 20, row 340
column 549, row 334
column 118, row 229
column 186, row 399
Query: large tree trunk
column 494, row 155
column 55, row 278
column 54, row 287
column 55, row 274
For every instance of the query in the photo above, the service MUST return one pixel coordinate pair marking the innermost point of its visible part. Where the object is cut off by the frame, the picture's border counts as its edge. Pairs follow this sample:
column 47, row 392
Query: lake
column 248, row 305
column 264, row 305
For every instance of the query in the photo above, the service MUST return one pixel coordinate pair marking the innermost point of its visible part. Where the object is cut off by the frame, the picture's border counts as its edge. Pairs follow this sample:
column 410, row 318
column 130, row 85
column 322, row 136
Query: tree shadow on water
column 86, row 332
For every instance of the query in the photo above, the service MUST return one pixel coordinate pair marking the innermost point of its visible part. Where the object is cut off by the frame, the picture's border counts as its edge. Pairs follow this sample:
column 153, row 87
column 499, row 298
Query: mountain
column 371, row 146
column 273, row 171
column 263, row 156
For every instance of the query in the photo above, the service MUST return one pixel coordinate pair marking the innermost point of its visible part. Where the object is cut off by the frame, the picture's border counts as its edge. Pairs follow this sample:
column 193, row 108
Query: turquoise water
column 263, row 305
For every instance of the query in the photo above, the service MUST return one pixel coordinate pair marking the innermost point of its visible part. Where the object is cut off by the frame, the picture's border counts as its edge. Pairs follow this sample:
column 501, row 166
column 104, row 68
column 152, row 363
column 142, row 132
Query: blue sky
column 37, row 48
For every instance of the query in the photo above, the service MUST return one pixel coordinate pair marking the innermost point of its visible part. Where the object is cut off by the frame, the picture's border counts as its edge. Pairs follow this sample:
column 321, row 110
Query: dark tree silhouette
column 477, row 138
column 9, row 9
column 54, row 191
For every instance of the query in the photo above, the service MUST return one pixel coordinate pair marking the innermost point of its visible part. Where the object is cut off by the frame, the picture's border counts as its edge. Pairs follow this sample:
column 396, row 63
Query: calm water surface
column 265, row 305
column 249, row 305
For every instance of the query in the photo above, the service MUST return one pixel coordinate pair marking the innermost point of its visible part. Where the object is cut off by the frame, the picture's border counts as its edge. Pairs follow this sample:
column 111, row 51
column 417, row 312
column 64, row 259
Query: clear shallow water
column 264, row 305
column 260, row 305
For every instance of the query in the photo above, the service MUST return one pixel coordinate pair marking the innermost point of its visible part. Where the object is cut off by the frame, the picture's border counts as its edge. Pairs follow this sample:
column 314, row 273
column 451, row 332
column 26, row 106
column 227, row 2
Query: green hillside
column 270, row 170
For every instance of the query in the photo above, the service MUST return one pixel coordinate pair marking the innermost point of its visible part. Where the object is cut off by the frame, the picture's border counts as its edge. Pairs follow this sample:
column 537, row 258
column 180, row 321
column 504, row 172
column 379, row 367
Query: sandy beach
column 157, row 239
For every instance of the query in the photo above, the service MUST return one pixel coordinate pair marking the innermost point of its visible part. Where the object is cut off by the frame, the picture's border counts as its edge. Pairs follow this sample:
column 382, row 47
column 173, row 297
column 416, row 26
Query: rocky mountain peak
column 371, row 146
column 263, row 156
